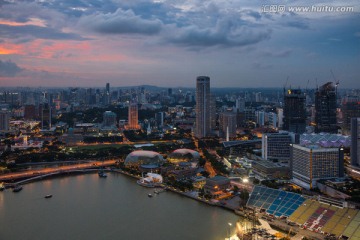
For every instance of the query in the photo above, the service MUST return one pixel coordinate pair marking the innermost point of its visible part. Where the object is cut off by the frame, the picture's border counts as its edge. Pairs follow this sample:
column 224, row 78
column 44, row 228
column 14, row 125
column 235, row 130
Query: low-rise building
column 270, row 170
column 215, row 186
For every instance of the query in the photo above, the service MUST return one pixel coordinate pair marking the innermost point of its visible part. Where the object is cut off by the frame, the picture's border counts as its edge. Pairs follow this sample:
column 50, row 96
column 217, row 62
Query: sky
column 168, row 43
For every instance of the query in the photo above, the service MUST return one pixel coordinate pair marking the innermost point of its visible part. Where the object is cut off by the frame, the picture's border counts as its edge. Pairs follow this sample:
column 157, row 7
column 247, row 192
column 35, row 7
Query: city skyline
column 168, row 43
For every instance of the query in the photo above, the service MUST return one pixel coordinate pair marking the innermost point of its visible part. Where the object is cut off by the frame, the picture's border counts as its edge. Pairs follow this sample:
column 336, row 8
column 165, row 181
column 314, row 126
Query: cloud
column 294, row 21
column 120, row 22
column 277, row 53
column 226, row 33
column 9, row 69
column 258, row 65
column 24, row 32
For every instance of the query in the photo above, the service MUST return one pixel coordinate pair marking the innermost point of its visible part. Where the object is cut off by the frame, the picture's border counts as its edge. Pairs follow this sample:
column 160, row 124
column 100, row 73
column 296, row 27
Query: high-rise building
column 350, row 109
column 276, row 146
column 133, row 121
column 312, row 163
column 109, row 119
column 107, row 96
column 260, row 118
column 212, row 112
column 228, row 125
column 29, row 112
column 355, row 142
column 272, row 120
column 159, row 118
column 4, row 120
column 240, row 105
column 325, row 108
column 202, row 124
column 294, row 111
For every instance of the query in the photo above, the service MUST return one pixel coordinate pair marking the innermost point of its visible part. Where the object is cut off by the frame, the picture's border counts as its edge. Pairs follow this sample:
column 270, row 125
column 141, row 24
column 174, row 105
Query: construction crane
column 337, row 81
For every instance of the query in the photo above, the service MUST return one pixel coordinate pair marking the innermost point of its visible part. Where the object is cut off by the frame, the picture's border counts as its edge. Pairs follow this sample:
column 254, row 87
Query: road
column 38, row 172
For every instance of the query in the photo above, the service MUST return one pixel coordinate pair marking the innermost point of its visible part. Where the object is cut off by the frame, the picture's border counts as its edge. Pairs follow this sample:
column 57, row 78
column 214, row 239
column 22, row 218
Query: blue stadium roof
column 276, row 202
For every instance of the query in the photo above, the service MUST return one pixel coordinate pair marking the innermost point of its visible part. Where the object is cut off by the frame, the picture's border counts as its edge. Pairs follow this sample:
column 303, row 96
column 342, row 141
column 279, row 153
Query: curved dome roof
column 183, row 155
column 144, row 157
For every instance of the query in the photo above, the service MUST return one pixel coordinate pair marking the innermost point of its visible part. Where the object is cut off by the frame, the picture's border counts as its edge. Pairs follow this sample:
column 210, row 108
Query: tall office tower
column 228, row 125
column 159, row 118
column 202, row 124
column 212, row 112
column 276, row 146
column 4, row 120
column 294, row 111
column 260, row 118
column 258, row 97
column 109, row 119
column 273, row 120
column 325, row 108
column 312, row 163
column 45, row 115
column 355, row 142
column 280, row 113
column 133, row 122
column 240, row 104
column 350, row 109
column 107, row 94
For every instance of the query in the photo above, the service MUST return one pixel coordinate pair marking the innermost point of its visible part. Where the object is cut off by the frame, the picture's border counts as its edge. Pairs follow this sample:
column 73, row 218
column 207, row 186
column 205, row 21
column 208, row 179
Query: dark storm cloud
column 120, row 22
column 9, row 69
column 14, row 32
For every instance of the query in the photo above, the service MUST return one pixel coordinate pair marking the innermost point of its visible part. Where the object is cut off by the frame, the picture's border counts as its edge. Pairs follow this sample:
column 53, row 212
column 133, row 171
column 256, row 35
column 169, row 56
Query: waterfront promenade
column 12, row 177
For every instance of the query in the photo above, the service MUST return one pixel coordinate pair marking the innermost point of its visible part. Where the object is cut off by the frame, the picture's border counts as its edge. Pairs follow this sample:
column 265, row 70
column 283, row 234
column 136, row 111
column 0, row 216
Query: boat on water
column 17, row 188
column 102, row 174
column 48, row 196
column 150, row 195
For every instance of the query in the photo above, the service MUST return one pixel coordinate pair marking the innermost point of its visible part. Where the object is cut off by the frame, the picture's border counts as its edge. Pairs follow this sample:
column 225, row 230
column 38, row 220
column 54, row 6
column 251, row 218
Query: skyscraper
column 202, row 124
column 350, row 109
column 355, row 142
column 325, row 108
column 107, row 96
column 133, row 122
column 4, row 120
column 294, row 111
column 109, row 119
column 228, row 125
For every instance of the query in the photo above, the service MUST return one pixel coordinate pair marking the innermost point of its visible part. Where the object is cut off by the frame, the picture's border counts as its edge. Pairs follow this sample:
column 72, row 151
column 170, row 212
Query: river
column 85, row 207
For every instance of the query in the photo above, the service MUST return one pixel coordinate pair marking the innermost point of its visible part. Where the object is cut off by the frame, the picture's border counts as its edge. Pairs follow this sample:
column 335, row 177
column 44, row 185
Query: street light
column 230, row 224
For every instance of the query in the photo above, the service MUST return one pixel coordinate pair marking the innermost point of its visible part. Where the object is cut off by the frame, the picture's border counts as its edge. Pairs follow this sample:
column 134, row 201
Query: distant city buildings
column 355, row 142
column 203, row 116
column 325, row 109
column 294, row 111
column 313, row 162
